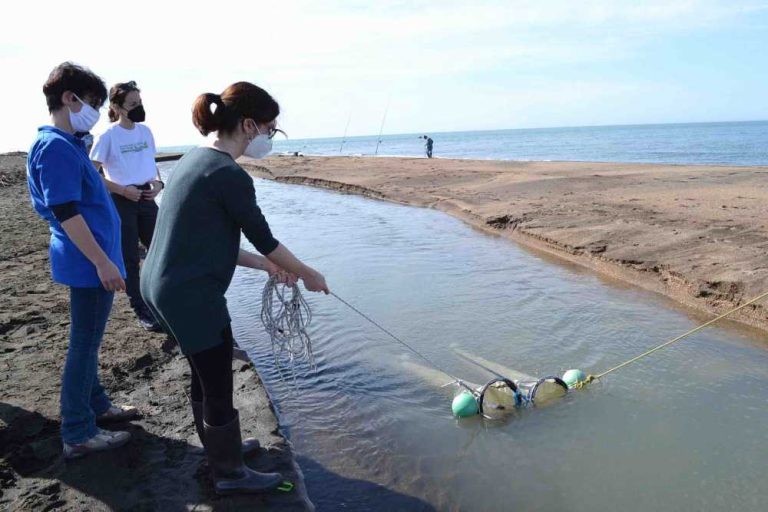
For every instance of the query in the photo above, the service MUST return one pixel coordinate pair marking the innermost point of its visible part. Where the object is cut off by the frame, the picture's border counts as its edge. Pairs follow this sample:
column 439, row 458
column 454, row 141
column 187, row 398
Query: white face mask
column 259, row 147
column 84, row 120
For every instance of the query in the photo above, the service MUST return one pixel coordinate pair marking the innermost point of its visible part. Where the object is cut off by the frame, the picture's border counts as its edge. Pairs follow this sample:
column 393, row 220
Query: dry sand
column 697, row 234
column 162, row 468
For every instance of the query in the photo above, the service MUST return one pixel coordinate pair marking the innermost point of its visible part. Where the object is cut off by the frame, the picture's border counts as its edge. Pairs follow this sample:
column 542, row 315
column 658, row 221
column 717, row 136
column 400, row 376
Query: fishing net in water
column 498, row 398
column 543, row 391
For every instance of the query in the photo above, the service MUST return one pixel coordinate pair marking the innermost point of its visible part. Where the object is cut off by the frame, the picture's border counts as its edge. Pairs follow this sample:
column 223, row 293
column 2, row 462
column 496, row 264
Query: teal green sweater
column 208, row 201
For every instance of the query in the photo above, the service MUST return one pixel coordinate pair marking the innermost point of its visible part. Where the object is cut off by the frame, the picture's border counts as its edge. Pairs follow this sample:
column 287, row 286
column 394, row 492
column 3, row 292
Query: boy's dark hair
column 71, row 77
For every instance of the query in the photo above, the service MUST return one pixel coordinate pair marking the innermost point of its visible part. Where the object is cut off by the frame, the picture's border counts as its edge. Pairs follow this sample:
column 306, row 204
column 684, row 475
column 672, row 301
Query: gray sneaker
column 103, row 440
column 148, row 322
column 118, row 413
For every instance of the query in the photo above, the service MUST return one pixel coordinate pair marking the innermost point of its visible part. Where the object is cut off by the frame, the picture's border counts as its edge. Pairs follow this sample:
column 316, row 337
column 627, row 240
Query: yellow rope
column 591, row 378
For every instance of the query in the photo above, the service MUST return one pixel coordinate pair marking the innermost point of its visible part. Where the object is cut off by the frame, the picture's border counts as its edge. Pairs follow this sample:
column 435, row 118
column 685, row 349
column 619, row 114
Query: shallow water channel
column 684, row 429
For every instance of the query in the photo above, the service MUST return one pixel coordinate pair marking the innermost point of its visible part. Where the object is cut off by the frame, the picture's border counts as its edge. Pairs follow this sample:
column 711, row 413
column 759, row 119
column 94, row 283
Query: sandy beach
column 696, row 234
column 163, row 467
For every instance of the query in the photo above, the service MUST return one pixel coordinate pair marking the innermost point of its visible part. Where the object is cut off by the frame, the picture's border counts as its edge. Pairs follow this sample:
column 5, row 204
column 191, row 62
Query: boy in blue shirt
column 68, row 192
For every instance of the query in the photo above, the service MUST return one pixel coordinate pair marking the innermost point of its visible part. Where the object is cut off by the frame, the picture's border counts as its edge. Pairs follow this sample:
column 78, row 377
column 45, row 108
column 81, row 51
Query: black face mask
column 137, row 114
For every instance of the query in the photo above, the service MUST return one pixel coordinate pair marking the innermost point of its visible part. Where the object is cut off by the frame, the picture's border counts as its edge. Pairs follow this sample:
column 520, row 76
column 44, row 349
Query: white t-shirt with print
column 128, row 156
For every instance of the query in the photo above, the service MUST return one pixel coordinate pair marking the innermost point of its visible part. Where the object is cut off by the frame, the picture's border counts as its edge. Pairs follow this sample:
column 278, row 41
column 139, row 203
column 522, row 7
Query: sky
column 434, row 66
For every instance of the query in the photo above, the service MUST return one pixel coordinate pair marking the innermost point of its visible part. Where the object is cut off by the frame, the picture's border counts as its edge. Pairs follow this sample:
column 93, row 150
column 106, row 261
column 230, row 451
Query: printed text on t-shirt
column 134, row 148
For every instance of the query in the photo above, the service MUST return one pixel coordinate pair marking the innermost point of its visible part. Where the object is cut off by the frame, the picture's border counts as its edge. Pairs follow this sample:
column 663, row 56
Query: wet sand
column 162, row 468
column 697, row 234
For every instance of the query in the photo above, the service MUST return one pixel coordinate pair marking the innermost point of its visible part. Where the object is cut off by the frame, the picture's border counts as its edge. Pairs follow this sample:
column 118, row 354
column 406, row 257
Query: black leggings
column 212, row 380
column 137, row 224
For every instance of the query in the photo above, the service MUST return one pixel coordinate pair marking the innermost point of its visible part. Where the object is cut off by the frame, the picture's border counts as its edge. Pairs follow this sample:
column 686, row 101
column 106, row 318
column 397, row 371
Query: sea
column 731, row 143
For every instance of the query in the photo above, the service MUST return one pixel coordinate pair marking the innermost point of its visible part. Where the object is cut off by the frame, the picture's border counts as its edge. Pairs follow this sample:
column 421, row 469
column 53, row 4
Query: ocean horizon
column 742, row 143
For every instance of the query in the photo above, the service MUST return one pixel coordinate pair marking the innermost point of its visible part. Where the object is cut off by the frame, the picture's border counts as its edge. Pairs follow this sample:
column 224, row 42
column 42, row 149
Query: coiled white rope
column 286, row 316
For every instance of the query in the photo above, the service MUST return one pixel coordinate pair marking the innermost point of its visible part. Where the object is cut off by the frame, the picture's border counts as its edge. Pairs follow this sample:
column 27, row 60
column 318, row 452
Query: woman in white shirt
column 126, row 152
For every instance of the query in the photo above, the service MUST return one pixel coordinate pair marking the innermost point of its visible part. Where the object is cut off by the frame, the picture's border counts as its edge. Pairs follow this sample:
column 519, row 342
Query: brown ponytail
column 208, row 113
column 223, row 113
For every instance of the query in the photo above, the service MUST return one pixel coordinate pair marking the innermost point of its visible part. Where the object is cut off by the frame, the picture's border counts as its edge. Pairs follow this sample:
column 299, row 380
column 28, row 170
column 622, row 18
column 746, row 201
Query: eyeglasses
column 274, row 131
column 271, row 132
column 89, row 101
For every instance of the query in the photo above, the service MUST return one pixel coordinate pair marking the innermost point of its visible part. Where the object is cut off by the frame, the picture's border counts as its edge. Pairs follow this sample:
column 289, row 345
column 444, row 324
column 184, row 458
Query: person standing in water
column 67, row 191
column 428, row 145
column 126, row 152
column 209, row 201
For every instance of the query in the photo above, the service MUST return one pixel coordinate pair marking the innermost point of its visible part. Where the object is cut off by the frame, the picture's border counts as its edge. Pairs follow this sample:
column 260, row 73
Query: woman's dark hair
column 223, row 112
column 77, row 79
column 117, row 95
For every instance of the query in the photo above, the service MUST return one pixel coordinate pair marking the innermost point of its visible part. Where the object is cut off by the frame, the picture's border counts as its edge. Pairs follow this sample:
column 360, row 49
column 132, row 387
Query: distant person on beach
column 85, row 255
column 428, row 145
column 126, row 152
column 209, row 201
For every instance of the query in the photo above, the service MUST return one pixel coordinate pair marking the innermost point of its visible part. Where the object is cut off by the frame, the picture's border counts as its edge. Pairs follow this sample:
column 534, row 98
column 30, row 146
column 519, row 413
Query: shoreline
column 163, row 466
column 691, row 233
column 290, row 154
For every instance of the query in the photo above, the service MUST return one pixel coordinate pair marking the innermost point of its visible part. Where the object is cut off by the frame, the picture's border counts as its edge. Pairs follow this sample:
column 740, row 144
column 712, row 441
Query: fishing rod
column 344, row 138
column 381, row 129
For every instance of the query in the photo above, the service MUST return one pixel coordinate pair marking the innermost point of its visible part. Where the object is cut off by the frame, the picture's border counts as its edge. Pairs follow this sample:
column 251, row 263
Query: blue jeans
column 82, row 396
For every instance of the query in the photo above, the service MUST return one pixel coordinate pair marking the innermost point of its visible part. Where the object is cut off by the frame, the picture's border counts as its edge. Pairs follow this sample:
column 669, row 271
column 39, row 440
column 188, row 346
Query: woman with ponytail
column 126, row 152
column 209, row 201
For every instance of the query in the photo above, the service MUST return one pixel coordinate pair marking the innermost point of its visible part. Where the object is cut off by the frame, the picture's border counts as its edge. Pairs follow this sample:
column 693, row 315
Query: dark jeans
column 82, row 396
column 138, row 224
column 212, row 380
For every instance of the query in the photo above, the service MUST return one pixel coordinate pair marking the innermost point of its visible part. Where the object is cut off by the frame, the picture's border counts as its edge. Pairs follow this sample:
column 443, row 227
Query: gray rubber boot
column 251, row 445
column 225, row 458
